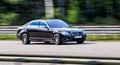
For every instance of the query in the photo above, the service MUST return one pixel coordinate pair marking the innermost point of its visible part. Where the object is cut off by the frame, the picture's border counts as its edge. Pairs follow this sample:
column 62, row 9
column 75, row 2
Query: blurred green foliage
column 18, row 12
column 114, row 37
column 85, row 12
column 72, row 12
column 91, row 12
column 13, row 1
column 8, row 18
column 8, row 37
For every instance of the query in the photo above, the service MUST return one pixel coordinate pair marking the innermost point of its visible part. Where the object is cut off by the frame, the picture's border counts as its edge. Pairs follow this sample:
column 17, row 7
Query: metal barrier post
column 94, row 63
column 54, row 61
column 19, row 61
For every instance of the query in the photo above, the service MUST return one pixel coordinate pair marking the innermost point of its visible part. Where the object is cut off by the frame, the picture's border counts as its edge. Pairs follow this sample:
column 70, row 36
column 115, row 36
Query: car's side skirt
column 40, row 39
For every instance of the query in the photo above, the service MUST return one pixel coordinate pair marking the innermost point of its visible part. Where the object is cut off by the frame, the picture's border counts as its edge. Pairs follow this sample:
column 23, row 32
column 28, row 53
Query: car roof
column 37, row 20
column 45, row 20
column 53, row 20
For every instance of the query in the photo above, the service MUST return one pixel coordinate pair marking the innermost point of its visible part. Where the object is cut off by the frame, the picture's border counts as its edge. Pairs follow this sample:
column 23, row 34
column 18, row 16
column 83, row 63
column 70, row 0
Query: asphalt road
column 99, row 49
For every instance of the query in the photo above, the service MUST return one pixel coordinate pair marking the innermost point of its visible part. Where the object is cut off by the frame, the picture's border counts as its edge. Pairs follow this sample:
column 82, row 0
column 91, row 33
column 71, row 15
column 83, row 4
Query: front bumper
column 66, row 38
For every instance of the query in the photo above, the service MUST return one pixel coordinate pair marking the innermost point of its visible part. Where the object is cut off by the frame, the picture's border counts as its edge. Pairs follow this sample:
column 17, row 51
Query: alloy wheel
column 25, row 39
column 57, row 39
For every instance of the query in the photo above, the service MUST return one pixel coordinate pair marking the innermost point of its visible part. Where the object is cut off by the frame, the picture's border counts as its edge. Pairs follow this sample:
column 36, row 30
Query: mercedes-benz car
column 54, row 30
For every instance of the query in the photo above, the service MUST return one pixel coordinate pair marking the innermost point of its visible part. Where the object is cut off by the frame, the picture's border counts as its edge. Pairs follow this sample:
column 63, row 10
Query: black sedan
column 55, row 30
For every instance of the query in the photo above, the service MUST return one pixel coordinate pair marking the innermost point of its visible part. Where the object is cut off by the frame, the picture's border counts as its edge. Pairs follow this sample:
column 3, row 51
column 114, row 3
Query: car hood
column 68, row 29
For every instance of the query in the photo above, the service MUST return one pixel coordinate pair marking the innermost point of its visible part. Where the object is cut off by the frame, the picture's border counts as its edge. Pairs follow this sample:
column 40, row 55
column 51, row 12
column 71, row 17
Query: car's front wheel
column 57, row 39
column 25, row 38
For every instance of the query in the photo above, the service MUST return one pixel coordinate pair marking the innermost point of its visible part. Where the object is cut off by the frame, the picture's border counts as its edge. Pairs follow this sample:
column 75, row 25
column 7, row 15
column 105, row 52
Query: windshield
column 57, row 24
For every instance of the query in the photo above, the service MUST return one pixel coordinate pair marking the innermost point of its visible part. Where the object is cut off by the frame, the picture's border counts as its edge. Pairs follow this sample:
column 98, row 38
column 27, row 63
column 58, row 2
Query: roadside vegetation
column 114, row 37
column 8, row 37
column 83, row 12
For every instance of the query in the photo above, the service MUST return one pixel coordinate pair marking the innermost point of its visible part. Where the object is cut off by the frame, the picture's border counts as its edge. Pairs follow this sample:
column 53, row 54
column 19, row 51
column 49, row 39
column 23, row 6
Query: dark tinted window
column 35, row 23
column 43, row 25
column 57, row 24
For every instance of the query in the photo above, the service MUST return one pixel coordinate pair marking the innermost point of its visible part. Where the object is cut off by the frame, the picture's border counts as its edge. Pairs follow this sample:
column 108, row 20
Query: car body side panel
column 44, row 34
column 32, row 32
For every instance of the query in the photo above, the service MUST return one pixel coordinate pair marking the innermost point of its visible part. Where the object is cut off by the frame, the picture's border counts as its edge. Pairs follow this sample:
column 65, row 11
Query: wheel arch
column 23, row 32
column 55, row 33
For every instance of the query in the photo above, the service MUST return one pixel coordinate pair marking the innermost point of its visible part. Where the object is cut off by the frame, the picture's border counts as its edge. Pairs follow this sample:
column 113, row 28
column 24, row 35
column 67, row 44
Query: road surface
column 99, row 49
column 95, row 49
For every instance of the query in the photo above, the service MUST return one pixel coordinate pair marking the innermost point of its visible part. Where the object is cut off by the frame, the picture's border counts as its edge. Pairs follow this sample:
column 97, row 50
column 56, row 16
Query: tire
column 25, row 38
column 57, row 39
column 80, row 41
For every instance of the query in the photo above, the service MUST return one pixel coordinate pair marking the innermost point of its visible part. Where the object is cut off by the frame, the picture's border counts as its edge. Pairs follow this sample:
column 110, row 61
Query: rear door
column 33, row 29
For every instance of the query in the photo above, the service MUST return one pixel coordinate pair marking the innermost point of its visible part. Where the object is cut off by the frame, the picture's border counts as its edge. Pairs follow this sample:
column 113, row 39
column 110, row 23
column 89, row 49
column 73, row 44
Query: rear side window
column 34, row 24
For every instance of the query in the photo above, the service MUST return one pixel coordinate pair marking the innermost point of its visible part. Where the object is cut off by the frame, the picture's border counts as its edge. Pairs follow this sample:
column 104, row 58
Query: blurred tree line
column 17, row 12
column 90, row 12
column 86, row 12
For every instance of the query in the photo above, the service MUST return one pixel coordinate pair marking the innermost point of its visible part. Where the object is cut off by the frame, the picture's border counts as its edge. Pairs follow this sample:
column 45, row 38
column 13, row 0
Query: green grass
column 8, row 37
column 115, row 37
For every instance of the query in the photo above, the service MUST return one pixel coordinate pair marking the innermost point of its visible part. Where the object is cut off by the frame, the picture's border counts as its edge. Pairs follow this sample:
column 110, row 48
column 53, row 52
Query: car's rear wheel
column 57, row 39
column 25, row 38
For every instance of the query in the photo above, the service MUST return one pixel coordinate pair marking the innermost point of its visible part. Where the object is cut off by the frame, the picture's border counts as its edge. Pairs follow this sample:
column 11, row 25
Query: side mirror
column 46, row 28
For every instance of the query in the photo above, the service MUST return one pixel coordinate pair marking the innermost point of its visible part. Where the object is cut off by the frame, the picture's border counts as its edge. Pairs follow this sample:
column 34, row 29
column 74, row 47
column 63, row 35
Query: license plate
column 78, row 36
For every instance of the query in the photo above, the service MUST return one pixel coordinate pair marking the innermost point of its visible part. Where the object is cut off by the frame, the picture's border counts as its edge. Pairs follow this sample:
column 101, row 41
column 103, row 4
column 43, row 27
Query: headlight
column 65, row 33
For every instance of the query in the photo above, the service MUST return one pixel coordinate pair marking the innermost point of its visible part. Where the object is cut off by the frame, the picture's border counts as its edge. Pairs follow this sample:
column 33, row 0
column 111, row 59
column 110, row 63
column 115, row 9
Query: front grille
column 76, row 33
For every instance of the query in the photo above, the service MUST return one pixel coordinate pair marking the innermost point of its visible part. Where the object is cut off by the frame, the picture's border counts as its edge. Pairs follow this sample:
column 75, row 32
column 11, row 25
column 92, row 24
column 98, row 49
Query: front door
column 44, row 32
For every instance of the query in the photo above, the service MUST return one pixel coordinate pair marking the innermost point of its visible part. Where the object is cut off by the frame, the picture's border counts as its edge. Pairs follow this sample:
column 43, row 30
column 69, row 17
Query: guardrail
column 8, row 31
column 88, row 29
column 56, row 56
column 59, row 59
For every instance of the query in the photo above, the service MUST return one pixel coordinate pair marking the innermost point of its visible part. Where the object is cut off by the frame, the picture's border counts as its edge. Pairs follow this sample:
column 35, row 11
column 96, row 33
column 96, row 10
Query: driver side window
column 42, row 25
